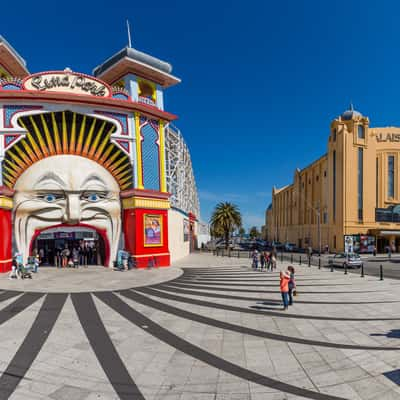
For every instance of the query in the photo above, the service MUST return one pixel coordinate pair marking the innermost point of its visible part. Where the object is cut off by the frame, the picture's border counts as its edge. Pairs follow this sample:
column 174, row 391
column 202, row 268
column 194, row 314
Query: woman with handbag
column 292, row 285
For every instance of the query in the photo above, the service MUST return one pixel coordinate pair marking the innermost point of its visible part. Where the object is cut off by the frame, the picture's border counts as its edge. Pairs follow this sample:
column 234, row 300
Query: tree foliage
column 254, row 233
column 225, row 219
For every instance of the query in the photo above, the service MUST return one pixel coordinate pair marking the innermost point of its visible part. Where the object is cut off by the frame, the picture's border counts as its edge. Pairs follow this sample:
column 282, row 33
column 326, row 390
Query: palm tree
column 225, row 219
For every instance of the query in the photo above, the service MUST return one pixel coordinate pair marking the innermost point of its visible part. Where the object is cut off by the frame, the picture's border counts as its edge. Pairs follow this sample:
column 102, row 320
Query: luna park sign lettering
column 66, row 82
column 388, row 137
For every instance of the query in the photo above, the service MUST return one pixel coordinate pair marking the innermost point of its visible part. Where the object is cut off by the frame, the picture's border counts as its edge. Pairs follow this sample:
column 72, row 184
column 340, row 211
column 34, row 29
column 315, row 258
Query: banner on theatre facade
column 153, row 230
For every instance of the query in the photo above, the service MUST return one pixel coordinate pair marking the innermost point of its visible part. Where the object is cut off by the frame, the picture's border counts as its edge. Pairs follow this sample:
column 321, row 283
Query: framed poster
column 152, row 225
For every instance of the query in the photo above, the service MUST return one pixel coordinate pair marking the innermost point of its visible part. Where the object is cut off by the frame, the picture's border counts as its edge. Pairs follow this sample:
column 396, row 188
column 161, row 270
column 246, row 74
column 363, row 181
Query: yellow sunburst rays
column 97, row 140
column 46, row 137
column 49, row 139
column 88, row 140
column 103, row 144
column 73, row 135
column 64, row 133
column 56, row 134
column 42, row 145
column 80, row 138
column 105, row 155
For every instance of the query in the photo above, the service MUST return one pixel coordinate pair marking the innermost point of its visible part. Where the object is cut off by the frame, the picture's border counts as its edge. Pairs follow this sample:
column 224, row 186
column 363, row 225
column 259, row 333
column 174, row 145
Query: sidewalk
column 213, row 331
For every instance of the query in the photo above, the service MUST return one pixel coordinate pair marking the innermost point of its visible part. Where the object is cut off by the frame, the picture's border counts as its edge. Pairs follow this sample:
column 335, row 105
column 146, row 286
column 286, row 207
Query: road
column 391, row 267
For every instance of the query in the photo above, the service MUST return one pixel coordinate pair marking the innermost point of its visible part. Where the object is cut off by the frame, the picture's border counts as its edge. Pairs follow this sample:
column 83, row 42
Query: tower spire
column 129, row 34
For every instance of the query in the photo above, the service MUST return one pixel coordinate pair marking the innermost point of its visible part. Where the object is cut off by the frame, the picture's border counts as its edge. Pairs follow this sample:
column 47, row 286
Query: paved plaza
column 209, row 328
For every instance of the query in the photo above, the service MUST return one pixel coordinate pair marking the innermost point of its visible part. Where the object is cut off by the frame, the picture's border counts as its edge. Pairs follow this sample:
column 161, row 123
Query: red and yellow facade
column 113, row 119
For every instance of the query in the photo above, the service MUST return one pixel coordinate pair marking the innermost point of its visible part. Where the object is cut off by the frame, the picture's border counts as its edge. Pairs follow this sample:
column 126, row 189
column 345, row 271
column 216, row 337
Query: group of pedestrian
column 264, row 260
column 80, row 255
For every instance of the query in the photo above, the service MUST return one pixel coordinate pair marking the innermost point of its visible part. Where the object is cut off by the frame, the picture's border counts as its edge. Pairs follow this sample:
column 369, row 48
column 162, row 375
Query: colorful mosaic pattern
column 122, row 119
column 8, row 139
column 124, row 144
column 65, row 132
column 150, row 157
column 10, row 110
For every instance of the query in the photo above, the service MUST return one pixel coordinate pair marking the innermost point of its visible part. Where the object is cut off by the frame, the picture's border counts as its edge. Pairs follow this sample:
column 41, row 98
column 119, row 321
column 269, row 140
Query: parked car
column 351, row 260
column 277, row 245
column 289, row 247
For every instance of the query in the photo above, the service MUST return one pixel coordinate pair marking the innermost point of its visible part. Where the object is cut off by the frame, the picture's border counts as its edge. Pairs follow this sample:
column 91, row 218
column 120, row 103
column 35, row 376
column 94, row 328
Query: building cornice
column 68, row 98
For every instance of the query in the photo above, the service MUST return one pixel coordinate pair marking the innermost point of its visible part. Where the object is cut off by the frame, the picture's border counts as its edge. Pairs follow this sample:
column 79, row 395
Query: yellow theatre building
column 348, row 199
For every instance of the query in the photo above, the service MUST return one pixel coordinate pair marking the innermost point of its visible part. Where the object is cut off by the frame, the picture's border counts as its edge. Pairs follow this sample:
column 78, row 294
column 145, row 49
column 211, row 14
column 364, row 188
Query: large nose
column 72, row 213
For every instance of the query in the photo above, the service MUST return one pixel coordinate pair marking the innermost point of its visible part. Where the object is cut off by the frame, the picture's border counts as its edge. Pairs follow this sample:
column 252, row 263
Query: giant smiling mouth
column 101, row 232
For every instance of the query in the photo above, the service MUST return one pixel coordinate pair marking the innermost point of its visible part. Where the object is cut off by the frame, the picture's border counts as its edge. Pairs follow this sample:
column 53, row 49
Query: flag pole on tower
column 129, row 34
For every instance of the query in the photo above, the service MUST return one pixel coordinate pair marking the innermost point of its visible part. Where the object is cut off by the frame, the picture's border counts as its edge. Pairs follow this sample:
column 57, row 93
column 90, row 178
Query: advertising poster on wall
column 186, row 230
column 359, row 244
column 348, row 244
column 152, row 230
column 367, row 244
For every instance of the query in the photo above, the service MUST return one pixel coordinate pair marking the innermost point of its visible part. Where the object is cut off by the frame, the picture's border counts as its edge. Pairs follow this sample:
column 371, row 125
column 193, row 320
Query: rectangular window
column 391, row 176
column 325, row 219
column 360, row 129
column 334, row 184
column 334, row 134
column 360, row 182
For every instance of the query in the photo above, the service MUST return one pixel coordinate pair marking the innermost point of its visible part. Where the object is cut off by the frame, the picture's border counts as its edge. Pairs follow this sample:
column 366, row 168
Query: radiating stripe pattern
column 63, row 133
column 175, row 299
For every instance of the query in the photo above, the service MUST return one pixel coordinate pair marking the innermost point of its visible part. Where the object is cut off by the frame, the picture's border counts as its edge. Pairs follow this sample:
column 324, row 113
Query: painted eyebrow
column 94, row 177
column 51, row 176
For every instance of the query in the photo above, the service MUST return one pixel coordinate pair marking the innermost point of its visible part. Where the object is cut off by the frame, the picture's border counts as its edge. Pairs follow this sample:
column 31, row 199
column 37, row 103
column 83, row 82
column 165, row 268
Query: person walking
column 65, row 256
column 284, row 287
column 255, row 259
column 75, row 257
column 273, row 262
column 292, row 285
column 262, row 260
column 268, row 261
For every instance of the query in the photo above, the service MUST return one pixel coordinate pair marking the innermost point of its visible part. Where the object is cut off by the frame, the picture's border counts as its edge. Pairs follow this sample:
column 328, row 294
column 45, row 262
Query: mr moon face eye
column 93, row 197
column 50, row 197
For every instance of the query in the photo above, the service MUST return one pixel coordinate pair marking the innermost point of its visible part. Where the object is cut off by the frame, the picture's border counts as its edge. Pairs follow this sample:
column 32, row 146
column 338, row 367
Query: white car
column 351, row 260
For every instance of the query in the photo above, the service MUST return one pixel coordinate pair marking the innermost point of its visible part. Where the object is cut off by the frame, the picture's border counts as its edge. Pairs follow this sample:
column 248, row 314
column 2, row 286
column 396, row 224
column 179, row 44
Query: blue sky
column 261, row 80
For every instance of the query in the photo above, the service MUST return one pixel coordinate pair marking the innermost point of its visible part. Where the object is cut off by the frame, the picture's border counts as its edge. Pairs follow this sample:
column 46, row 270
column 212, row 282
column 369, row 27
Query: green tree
column 225, row 219
column 241, row 231
column 254, row 233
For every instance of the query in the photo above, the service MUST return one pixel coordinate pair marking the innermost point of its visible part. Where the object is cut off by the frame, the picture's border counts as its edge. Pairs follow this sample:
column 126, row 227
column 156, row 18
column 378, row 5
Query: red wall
column 134, row 238
column 5, row 240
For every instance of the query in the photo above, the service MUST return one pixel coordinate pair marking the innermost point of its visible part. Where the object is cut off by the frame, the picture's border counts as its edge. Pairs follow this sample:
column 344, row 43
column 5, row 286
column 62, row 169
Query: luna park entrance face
column 85, row 247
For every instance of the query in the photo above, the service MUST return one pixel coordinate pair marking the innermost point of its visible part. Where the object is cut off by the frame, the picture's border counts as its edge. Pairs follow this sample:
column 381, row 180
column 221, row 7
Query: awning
column 389, row 233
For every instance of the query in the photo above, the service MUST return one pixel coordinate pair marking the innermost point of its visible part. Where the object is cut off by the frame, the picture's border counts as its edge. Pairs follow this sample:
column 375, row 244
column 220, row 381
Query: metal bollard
column 331, row 264
column 319, row 263
column 345, row 269
column 291, row 258
column 300, row 261
column 362, row 270
column 309, row 262
column 381, row 272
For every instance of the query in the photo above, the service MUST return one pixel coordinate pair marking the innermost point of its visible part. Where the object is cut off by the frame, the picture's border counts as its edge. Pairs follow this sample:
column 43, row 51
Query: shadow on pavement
column 394, row 333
